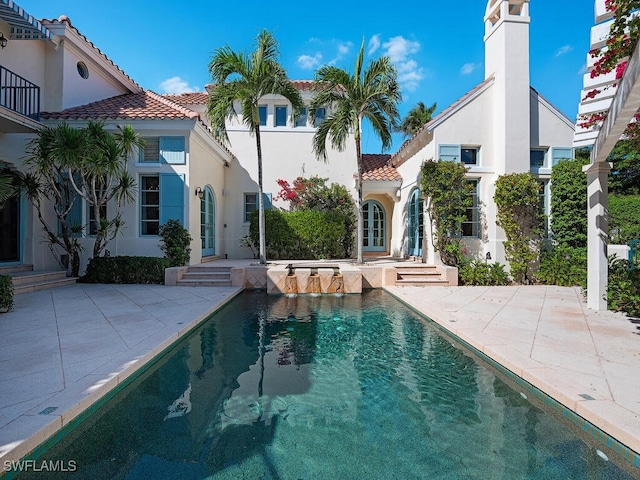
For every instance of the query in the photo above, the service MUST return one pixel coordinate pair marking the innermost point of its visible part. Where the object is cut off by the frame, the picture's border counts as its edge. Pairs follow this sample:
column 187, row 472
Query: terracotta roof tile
column 184, row 99
column 144, row 105
column 376, row 168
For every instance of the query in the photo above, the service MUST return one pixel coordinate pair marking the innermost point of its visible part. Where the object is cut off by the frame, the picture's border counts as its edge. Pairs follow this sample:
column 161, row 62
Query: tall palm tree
column 373, row 94
column 415, row 119
column 246, row 78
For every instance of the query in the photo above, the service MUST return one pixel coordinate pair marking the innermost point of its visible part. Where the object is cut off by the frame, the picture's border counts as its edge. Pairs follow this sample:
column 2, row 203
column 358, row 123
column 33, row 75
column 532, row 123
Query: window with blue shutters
column 163, row 150
column 281, row 115
column 74, row 216
column 161, row 199
column 449, row 153
column 561, row 154
column 262, row 113
column 301, row 119
column 251, row 204
column 321, row 114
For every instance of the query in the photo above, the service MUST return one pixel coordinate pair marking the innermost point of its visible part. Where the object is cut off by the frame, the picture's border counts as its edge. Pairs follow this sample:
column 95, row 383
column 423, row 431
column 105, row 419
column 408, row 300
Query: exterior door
column 208, row 223
column 10, row 230
column 415, row 224
column 374, row 227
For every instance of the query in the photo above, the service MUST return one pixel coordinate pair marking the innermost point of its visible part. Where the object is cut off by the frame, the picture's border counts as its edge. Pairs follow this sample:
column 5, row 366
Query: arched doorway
column 374, row 227
column 415, row 223
column 208, row 223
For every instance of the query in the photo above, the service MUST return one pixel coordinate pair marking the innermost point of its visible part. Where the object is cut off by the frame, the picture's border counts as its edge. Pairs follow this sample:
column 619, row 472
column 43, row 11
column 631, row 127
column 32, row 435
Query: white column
column 597, row 234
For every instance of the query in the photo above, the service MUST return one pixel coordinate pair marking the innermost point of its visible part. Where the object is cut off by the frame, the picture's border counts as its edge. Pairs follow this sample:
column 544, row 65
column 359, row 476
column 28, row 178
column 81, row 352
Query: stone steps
column 25, row 280
column 420, row 275
column 206, row 276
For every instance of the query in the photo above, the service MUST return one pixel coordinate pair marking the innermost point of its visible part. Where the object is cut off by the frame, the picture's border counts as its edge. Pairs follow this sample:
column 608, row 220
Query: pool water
column 352, row 387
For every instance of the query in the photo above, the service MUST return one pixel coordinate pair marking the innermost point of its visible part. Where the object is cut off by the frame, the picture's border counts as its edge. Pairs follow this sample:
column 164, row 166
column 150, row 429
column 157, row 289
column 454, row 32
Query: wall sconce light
column 199, row 193
column 3, row 41
column 487, row 257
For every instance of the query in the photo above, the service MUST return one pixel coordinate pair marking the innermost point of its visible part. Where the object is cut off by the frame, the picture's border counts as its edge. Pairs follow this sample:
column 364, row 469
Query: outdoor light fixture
column 199, row 193
column 487, row 257
column 3, row 41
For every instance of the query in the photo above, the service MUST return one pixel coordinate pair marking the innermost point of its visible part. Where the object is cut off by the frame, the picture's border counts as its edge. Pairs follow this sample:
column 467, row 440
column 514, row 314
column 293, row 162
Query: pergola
column 624, row 106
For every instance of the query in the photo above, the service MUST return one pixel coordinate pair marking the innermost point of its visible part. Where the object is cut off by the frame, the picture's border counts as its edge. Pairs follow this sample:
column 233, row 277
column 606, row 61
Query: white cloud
column 564, row 50
column 400, row 50
column 308, row 62
column 176, row 85
column 583, row 70
column 469, row 68
column 374, row 44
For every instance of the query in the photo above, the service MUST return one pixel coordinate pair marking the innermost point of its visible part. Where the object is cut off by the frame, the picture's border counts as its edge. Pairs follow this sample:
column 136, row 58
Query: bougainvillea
column 623, row 38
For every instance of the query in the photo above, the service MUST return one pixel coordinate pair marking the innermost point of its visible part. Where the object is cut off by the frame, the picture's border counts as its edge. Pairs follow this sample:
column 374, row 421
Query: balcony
column 22, row 99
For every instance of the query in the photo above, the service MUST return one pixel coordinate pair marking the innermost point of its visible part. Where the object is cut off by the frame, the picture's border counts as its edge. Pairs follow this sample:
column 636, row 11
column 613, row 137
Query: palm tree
column 417, row 117
column 247, row 78
column 373, row 94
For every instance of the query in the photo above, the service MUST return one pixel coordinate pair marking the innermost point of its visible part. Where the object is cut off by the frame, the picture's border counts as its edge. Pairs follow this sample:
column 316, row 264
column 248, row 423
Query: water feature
column 324, row 387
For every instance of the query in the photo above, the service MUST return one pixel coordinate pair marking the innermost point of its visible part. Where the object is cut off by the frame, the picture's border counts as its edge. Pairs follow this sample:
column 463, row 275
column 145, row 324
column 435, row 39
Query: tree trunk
column 360, row 259
column 261, row 219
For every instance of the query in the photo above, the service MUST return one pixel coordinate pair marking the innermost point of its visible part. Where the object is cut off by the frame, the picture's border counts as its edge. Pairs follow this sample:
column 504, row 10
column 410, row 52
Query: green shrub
column 124, row 269
column 624, row 211
column 175, row 243
column 474, row 272
column 304, row 234
column 563, row 266
column 623, row 292
column 6, row 292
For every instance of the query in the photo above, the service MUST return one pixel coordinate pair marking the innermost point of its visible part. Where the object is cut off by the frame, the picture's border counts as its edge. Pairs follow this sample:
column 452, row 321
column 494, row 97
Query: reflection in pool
column 352, row 387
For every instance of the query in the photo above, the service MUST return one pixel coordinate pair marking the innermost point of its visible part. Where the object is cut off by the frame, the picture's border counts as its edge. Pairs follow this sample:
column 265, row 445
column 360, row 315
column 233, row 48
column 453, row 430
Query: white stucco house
column 501, row 126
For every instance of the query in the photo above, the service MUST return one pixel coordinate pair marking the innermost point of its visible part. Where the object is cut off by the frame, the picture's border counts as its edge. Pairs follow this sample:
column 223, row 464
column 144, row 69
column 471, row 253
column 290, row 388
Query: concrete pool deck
column 69, row 346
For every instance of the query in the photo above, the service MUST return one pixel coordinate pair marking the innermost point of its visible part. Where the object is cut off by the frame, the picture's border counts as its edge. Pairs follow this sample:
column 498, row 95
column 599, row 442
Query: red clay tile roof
column 298, row 84
column 65, row 19
column 144, row 105
column 184, row 99
column 376, row 168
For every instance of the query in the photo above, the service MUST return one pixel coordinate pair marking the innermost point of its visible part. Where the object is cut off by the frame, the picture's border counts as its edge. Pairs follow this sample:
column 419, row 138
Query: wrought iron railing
column 19, row 94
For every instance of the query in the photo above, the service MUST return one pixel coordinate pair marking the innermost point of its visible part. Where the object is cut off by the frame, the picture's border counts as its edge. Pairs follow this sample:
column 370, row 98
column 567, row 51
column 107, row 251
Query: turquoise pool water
column 353, row 387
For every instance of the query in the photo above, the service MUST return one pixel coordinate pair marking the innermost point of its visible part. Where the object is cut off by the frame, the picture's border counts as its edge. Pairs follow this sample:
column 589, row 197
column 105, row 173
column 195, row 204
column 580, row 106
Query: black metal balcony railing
column 19, row 94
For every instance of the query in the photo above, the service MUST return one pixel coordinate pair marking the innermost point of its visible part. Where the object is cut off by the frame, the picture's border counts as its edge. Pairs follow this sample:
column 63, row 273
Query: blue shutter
column 171, row 197
column 267, row 200
column 449, row 153
column 172, row 150
column 560, row 154
column 262, row 113
column 74, row 217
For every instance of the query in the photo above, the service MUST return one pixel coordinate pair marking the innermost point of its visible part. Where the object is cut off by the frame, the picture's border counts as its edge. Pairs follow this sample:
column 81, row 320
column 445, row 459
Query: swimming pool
column 352, row 387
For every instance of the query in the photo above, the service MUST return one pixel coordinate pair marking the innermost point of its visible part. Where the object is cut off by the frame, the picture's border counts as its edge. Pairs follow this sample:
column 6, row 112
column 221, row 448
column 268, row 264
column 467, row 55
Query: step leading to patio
column 420, row 275
column 206, row 276
column 26, row 280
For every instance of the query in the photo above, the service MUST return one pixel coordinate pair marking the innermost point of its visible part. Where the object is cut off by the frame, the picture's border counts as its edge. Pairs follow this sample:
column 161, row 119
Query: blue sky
column 437, row 47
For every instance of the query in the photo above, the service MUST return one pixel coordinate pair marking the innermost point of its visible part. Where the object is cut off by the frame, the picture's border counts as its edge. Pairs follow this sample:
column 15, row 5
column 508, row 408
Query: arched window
column 208, row 223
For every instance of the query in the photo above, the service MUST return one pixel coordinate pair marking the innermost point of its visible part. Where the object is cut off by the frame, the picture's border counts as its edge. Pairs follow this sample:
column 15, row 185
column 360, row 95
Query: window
column 471, row 226
column 83, row 71
column 281, row 116
column 161, row 199
column 262, row 112
column 561, row 154
column 537, row 159
column 93, row 226
column 251, row 204
column 301, row 119
column 470, row 155
column 449, row 153
column 321, row 114
column 150, row 205
column 163, row 149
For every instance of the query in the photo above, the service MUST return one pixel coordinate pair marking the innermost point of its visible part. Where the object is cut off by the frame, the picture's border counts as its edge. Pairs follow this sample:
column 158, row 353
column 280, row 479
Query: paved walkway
column 66, row 347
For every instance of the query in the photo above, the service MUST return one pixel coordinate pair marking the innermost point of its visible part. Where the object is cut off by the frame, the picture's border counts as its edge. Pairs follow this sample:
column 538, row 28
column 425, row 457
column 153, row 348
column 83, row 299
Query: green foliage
column 569, row 203
column 624, row 212
column 417, row 117
column 624, row 178
column 175, row 243
column 314, row 194
column 447, row 196
column 623, row 292
column 474, row 272
column 124, row 269
column 518, row 201
column 6, row 292
column 564, row 266
column 308, row 234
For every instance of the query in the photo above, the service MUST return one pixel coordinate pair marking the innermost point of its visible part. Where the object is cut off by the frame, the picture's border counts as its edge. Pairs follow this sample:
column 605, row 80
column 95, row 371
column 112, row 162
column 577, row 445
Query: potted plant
column 6, row 293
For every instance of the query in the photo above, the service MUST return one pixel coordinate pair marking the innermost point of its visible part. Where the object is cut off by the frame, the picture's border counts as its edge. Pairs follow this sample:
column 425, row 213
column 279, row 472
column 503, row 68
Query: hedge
column 305, row 235
column 124, row 269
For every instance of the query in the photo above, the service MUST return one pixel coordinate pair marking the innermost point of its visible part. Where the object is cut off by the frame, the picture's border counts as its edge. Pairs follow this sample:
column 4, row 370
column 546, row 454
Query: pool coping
column 568, row 405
